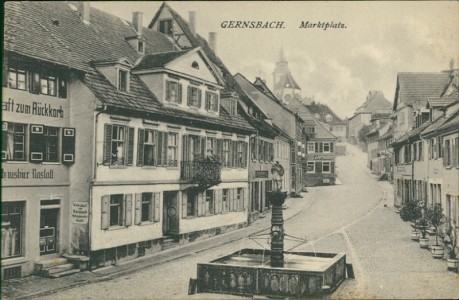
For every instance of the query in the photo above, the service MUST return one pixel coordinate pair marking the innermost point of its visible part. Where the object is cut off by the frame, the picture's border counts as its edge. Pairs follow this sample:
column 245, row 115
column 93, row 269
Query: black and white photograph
column 230, row 150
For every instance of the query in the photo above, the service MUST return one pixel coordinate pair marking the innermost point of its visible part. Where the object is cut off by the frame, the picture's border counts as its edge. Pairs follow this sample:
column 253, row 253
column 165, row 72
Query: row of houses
column 417, row 145
column 120, row 140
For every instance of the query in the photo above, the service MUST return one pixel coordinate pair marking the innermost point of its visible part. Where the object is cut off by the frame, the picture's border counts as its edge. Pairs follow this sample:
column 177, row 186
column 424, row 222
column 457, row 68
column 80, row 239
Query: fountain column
column 277, row 198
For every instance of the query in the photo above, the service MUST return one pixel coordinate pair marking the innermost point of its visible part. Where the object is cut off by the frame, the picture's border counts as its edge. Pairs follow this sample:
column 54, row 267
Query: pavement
column 36, row 286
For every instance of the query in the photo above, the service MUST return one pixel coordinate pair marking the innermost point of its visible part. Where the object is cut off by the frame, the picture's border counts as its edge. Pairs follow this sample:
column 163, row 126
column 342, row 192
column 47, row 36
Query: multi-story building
column 332, row 122
column 420, row 170
column 109, row 154
column 379, row 123
column 374, row 101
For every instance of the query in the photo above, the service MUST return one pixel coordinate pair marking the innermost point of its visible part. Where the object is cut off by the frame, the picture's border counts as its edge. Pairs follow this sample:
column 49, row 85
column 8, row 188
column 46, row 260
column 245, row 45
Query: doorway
column 171, row 213
column 49, row 220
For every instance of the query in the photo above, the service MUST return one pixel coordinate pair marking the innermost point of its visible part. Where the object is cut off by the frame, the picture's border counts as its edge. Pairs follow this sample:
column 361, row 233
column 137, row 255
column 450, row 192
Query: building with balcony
column 111, row 154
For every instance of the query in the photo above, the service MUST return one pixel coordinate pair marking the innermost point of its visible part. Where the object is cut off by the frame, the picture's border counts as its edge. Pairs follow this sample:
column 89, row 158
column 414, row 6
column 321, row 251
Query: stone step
column 64, row 273
column 46, row 264
column 58, row 269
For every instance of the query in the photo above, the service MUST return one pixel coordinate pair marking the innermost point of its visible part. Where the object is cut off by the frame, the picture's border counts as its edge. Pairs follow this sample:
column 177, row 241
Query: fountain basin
column 248, row 272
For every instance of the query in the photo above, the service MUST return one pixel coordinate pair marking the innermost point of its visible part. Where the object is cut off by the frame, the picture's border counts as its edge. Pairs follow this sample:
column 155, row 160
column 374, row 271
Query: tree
column 362, row 135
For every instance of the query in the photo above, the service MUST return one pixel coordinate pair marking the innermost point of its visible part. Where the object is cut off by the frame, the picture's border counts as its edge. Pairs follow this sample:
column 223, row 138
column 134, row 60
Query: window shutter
column 36, row 143
column 246, row 197
column 321, row 147
column 189, row 101
column 68, row 145
column 332, row 167
column 160, row 147
column 316, row 147
column 229, row 163
column 199, row 98
column 218, row 201
column 331, row 146
column 203, row 145
column 235, row 162
column 220, row 149
column 105, row 217
column 216, row 103
column 164, row 149
column 127, row 210
column 207, row 100
column 201, row 207
column 130, row 146
column 185, row 145
column 168, row 90
column 179, row 93
column 140, row 145
column 157, row 207
column 108, row 145
column 138, row 209
column 184, row 205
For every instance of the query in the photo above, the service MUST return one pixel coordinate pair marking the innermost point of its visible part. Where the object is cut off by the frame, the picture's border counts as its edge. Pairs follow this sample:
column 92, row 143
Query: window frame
column 194, row 96
column 176, row 87
column 148, row 202
column 115, row 159
column 328, row 145
column 324, row 163
column 210, row 202
column 167, row 29
column 120, row 81
column 211, row 101
column 19, row 239
column 48, row 138
column 172, row 148
column 6, row 134
column 16, row 70
column 152, row 145
column 309, row 163
column 120, row 211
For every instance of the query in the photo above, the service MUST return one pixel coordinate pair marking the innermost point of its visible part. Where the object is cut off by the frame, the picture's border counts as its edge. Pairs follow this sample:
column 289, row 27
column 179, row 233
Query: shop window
column 194, row 96
column 118, row 145
column 17, row 78
column 12, row 228
column 310, row 167
column 210, row 202
column 211, row 101
column 326, row 167
column 173, row 91
column 165, row 26
column 14, row 141
column 172, row 160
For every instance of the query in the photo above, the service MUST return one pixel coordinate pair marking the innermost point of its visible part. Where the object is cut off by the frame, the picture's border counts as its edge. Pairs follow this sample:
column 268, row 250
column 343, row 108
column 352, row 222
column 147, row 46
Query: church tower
column 284, row 86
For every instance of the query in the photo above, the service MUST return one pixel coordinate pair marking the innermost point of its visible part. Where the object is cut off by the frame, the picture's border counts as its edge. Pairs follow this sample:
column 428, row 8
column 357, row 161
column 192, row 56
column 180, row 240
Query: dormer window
column 173, row 91
column 123, row 80
column 233, row 107
column 211, row 101
column 165, row 26
column 140, row 47
column 195, row 65
column 194, row 96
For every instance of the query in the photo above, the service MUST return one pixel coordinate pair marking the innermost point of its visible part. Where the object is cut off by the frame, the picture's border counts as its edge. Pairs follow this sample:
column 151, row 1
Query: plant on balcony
column 434, row 214
column 208, row 169
column 449, row 238
column 412, row 212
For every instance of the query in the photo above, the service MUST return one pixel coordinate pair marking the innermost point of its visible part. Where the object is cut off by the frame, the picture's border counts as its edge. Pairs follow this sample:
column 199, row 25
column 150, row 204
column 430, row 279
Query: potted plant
column 423, row 226
column 435, row 215
column 412, row 212
column 449, row 238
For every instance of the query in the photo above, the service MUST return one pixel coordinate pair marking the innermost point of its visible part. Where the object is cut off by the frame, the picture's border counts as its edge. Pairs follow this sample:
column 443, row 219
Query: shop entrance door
column 48, row 230
column 171, row 215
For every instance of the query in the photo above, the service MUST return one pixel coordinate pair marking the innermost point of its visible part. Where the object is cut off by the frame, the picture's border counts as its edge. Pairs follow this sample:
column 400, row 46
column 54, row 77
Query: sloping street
column 351, row 217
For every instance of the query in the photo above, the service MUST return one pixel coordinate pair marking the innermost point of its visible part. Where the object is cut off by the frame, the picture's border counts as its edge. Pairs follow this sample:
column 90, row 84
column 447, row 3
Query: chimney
column 84, row 10
column 213, row 41
column 137, row 21
column 192, row 21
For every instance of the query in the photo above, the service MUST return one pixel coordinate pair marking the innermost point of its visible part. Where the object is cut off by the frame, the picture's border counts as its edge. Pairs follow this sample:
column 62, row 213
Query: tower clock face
column 287, row 97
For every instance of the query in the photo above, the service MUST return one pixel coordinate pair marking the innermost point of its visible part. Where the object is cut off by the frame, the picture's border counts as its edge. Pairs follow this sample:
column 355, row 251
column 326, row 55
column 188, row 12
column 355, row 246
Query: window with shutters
column 14, row 141
column 51, row 142
column 210, row 202
column 225, row 200
column 311, row 147
column 240, row 154
column 310, row 167
column 447, row 153
column 211, row 101
column 150, row 147
column 146, row 207
column 326, row 167
column 253, row 148
column 173, row 91
column 326, row 147
column 118, row 144
column 211, row 146
column 194, row 96
column 172, row 160
column 116, row 210
column 226, row 153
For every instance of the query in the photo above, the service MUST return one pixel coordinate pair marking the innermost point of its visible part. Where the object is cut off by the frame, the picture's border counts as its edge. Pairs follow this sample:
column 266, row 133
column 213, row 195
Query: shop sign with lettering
column 80, row 212
column 261, row 174
column 323, row 157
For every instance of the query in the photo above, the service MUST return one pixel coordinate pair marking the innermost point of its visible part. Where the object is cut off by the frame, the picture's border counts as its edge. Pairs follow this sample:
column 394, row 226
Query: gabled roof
column 323, row 110
column 419, row 87
column 322, row 132
column 70, row 42
column 158, row 60
column 262, row 86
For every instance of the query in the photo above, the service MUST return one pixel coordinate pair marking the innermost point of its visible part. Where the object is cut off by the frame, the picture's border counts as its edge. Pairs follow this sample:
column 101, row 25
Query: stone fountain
column 273, row 272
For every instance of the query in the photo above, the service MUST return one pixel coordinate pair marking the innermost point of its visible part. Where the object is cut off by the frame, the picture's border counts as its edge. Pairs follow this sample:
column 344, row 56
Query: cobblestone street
column 355, row 217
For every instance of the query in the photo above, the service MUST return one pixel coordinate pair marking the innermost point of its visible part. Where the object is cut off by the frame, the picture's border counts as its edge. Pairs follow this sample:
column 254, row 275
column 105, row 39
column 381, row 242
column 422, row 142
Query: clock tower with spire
column 284, row 86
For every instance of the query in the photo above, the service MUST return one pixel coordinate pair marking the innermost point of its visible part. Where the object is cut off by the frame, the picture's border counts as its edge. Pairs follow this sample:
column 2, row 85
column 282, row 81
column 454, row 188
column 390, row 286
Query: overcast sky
column 336, row 66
